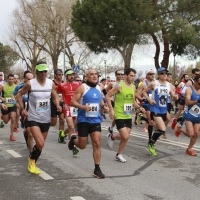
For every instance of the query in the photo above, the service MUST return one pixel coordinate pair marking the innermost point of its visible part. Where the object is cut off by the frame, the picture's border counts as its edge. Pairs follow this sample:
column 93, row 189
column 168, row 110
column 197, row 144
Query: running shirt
column 183, row 90
column 145, row 103
column 160, row 95
column 91, row 96
column 124, row 102
column 39, row 101
column 67, row 89
column 8, row 95
column 193, row 112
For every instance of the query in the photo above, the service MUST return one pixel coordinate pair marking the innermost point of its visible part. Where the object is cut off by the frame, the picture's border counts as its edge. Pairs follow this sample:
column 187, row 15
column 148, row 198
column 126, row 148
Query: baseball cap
column 69, row 71
column 57, row 71
column 161, row 69
column 42, row 67
column 16, row 76
column 151, row 70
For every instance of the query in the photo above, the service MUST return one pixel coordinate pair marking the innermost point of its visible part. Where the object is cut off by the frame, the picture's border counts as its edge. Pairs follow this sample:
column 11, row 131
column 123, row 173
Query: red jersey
column 67, row 89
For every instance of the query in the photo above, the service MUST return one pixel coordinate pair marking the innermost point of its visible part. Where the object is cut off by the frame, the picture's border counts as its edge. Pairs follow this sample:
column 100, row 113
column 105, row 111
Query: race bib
column 73, row 111
column 42, row 105
column 194, row 111
column 9, row 101
column 94, row 110
column 127, row 108
column 163, row 96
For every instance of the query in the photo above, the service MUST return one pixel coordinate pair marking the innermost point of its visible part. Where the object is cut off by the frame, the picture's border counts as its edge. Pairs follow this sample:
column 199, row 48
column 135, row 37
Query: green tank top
column 124, row 102
column 8, row 94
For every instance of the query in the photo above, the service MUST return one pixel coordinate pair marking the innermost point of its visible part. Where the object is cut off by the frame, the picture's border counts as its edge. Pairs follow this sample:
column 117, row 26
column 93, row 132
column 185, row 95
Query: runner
column 122, row 113
column 10, row 113
column 87, row 99
column 58, row 73
column 145, row 104
column 2, row 82
column 192, row 114
column 195, row 72
column 27, row 133
column 68, row 89
column 38, row 116
column 160, row 92
column 180, row 90
column 118, row 75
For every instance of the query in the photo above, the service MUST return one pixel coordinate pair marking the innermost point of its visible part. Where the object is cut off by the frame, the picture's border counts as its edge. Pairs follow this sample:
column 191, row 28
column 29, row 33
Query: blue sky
column 142, row 55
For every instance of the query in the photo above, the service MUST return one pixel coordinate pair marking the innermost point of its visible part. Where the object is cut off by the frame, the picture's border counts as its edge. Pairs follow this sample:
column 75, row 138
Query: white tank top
column 39, row 101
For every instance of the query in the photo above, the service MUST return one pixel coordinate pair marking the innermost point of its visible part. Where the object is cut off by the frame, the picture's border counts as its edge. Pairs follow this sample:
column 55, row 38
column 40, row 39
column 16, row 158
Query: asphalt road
column 171, row 175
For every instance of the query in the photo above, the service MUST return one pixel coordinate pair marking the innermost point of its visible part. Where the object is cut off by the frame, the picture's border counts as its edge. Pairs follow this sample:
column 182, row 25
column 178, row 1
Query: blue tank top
column 160, row 95
column 193, row 111
column 91, row 96
column 145, row 103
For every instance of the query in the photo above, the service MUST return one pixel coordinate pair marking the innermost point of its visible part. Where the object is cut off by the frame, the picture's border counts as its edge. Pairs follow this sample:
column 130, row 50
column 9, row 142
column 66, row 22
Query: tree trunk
column 157, row 53
column 165, row 61
column 126, row 54
column 54, row 59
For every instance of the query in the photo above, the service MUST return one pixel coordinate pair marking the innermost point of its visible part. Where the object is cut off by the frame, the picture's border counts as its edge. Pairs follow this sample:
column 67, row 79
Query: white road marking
column 45, row 176
column 170, row 142
column 1, row 143
column 77, row 198
column 14, row 154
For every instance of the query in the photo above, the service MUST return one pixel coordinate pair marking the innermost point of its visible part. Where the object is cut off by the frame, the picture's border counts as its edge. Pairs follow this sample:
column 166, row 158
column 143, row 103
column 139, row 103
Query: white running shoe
column 120, row 158
column 110, row 141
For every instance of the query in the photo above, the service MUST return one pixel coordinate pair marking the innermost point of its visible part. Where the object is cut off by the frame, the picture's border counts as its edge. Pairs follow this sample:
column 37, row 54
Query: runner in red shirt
column 68, row 89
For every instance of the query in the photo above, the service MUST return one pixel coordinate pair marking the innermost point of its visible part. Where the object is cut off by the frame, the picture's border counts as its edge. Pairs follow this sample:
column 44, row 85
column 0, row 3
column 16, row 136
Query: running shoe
column 61, row 138
column 178, row 130
column 98, row 173
column 110, row 131
column 110, row 141
column 151, row 149
column 12, row 138
column 135, row 121
column 75, row 151
column 32, row 168
column 2, row 124
column 120, row 158
column 144, row 130
column 16, row 130
column 139, row 120
column 173, row 123
column 190, row 152
column 71, row 142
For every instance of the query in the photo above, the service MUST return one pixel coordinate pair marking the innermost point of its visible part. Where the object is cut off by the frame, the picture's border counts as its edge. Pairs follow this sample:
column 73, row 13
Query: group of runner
column 40, row 100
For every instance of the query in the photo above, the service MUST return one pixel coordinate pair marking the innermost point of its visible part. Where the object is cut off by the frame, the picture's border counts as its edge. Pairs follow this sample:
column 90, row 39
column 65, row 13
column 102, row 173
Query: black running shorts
column 163, row 116
column 9, row 110
column 121, row 123
column 44, row 127
column 54, row 112
column 85, row 128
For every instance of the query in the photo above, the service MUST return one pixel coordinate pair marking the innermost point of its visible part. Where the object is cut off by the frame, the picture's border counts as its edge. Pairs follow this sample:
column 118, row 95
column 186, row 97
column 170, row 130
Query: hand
column 142, row 110
column 152, row 102
column 106, row 109
column 4, row 107
column 87, row 107
column 59, row 109
column 24, row 113
column 112, row 114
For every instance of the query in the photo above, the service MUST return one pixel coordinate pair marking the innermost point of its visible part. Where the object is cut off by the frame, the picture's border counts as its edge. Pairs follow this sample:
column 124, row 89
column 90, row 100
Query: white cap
column 148, row 71
column 16, row 76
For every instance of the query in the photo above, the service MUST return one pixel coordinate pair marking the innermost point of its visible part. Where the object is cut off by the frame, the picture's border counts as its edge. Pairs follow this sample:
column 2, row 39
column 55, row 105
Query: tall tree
column 108, row 24
column 7, row 57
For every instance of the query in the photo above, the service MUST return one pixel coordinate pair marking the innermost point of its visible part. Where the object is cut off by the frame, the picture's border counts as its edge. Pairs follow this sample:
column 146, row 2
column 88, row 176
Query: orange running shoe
column 178, row 130
column 190, row 152
column 16, row 130
column 173, row 123
column 12, row 138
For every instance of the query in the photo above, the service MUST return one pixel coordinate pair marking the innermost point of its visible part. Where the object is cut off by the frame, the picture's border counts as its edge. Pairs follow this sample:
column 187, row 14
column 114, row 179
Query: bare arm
column 76, row 97
column 24, row 89
column 151, row 86
column 109, row 87
column 188, row 100
column 139, row 91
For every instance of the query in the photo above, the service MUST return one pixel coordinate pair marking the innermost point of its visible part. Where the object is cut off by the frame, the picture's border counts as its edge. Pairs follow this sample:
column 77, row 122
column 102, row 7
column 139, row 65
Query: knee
column 71, row 127
column 82, row 146
column 125, row 137
column 96, row 143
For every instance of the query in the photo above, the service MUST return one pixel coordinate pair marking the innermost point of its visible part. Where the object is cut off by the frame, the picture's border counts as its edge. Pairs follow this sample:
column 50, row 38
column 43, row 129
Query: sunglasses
column 1, row 74
column 59, row 74
column 196, row 74
column 163, row 73
column 78, row 80
column 198, row 83
column 151, row 74
column 45, row 71
column 119, row 74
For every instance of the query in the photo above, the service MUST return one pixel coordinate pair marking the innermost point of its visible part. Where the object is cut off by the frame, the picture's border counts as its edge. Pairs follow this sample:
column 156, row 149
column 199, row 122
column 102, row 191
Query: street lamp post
column 64, row 44
column 105, row 67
